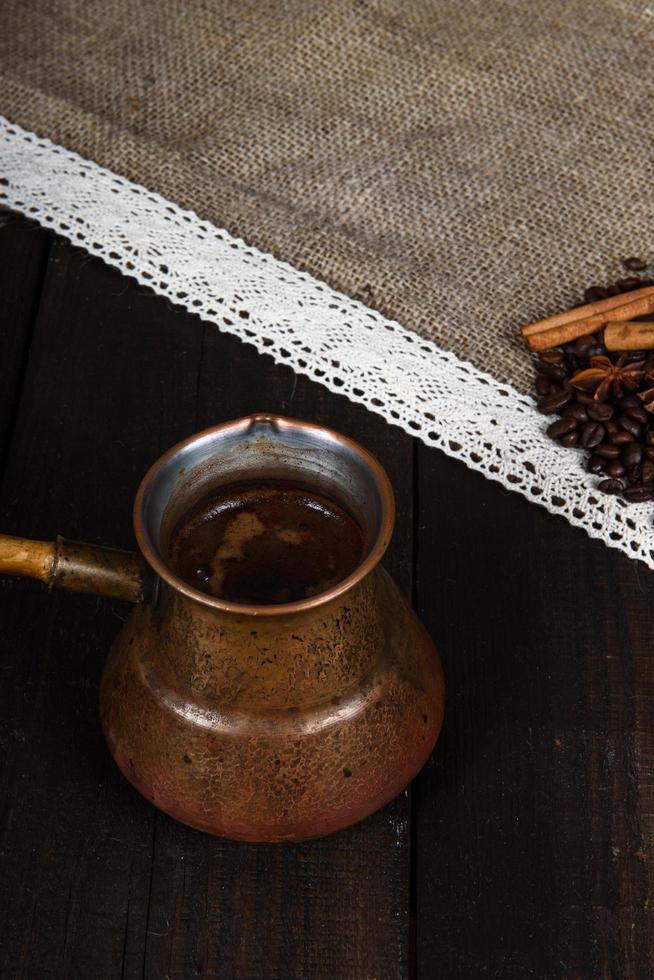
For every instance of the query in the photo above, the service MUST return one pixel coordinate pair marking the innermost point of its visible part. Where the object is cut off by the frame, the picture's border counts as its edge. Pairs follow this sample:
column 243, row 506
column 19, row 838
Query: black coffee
column 265, row 543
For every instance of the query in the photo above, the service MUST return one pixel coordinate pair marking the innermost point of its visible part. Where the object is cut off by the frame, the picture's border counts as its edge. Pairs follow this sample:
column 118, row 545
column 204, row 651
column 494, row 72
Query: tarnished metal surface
column 273, row 728
column 258, row 722
column 100, row 571
column 271, row 722
column 264, row 447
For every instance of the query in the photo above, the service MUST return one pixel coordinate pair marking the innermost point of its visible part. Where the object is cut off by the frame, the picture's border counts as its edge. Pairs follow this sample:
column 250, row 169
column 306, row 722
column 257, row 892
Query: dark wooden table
column 524, row 849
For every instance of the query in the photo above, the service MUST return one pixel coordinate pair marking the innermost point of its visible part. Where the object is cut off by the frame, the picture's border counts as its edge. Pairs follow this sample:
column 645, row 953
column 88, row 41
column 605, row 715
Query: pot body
column 271, row 728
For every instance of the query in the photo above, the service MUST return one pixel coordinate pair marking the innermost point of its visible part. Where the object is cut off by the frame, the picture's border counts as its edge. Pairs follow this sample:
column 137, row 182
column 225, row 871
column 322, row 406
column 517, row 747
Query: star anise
column 647, row 398
column 604, row 377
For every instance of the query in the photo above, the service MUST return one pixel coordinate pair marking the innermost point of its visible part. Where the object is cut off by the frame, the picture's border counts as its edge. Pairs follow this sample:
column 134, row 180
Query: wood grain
column 533, row 822
column 525, row 849
column 99, row 883
column 27, row 557
column 23, row 257
column 332, row 908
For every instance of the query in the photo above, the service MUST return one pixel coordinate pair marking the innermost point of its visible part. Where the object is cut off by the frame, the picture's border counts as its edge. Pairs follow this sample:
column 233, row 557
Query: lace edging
column 332, row 339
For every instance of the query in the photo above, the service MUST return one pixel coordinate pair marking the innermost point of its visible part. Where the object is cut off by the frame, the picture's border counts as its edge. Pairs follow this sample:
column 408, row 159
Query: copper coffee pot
column 269, row 722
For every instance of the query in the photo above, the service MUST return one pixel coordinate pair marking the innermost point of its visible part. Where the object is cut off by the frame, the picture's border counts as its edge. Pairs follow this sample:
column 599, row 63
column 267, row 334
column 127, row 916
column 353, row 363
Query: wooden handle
column 22, row 556
column 78, row 567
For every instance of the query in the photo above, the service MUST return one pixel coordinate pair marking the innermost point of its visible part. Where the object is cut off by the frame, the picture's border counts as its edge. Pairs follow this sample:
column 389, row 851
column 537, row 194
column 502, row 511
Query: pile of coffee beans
column 617, row 431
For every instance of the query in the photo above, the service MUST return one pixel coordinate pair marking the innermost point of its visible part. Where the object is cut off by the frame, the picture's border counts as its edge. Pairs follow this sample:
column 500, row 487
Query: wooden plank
column 97, row 883
column 102, row 397
column 23, row 254
column 331, row 908
column 533, row 848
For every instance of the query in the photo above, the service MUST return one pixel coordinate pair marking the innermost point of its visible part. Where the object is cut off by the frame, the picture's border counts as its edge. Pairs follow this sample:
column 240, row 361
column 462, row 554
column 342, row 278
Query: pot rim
column 369, row 562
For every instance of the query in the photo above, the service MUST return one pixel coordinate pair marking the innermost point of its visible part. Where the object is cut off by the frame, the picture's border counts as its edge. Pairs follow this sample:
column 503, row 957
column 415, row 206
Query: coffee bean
column 600, row 411
column 552, row 403
column 569, row 349
column 560, row 427
column 570, row 439
column 639, row 414
column 634, row 264
column 632, row 454
column 614, row 469
column 610, row 486
column 583, row 345
column 551, row 357
column 621, row 438
column 595, row 464
column 203, row 573
column 577, row 412
column 639, row 494
column 592, row 434
column 609, row 451
column 630, row 425
column 618, row 432
column 626, row 285
column 553, row 371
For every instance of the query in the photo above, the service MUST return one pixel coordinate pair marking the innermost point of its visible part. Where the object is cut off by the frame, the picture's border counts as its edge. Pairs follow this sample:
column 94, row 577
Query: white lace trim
column 335, row 340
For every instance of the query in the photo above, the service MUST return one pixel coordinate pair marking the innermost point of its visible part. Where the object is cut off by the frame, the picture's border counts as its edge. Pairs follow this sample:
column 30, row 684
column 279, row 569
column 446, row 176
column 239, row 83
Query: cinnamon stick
column 626, row 335
column 563, row 333
column 581, row 312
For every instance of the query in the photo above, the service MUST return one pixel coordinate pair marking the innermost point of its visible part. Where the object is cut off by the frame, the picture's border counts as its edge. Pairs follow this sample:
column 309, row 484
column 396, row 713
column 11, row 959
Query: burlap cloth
column 460, row 166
